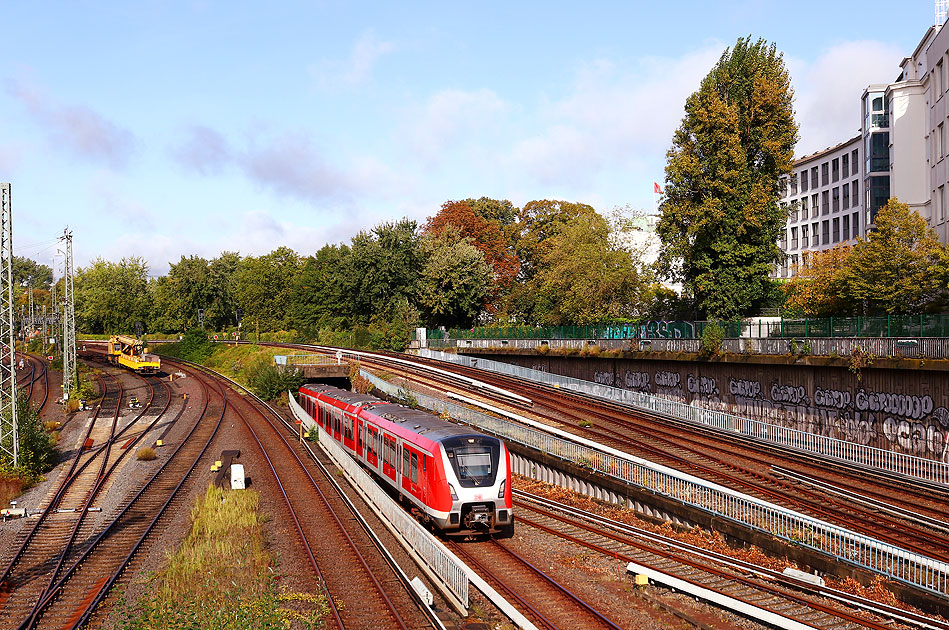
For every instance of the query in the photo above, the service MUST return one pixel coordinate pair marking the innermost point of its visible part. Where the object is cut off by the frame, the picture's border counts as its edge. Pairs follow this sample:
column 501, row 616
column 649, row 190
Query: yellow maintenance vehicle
column 132, row 353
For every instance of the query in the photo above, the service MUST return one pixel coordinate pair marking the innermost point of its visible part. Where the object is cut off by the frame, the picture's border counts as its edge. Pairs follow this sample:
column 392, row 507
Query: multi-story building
column 822, row 197
column 896, row 136
column 902, row 151
column 937, row 61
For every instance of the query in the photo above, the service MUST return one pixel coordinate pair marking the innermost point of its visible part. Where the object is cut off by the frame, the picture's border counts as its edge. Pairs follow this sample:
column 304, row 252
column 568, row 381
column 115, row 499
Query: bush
column 146, row 454
column 194, row 346
column 269, row 381
column 712, row 337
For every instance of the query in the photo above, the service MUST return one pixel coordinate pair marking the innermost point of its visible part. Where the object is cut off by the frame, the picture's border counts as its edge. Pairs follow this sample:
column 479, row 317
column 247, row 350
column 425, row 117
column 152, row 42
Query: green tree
column 455, row 279
column 111, row 297
column 720, row 214
column 586, row 278
column 222, row 309
column 900, row 267
column 383, row 268
column 189, row 284
column 264, row 288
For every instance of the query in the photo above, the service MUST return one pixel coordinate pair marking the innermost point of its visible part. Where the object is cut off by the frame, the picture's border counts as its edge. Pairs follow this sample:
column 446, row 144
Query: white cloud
column 828, row 90
column 79, row 129
column 355, row 69
column 204, row 150
column 452, row 119
column 611, row 114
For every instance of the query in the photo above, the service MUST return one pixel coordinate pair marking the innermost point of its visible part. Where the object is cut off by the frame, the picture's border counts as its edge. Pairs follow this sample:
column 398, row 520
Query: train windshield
column 474, row 459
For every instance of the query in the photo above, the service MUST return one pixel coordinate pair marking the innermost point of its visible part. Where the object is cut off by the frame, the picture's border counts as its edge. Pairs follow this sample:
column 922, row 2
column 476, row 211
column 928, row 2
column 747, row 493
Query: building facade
column 823, row 201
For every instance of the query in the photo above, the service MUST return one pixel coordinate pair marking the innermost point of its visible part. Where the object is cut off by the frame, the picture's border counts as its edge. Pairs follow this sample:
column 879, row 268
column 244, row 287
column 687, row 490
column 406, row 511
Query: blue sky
column 158, row 129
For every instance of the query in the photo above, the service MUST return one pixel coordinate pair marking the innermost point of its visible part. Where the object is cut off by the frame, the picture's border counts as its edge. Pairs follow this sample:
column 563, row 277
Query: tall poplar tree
column 721, row 219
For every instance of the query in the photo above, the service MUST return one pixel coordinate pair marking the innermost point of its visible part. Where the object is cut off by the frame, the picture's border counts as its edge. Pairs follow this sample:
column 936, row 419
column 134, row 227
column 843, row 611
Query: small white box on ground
column 237, row 476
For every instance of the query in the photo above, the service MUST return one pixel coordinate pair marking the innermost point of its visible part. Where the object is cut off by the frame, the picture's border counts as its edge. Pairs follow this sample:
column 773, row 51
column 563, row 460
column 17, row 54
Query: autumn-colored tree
column 486, row 235
column 720, row 214
column 900, row 267
column 819, row 285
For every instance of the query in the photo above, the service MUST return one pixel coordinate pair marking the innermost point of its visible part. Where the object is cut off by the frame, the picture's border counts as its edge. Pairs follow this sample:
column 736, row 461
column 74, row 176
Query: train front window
column 474, row 459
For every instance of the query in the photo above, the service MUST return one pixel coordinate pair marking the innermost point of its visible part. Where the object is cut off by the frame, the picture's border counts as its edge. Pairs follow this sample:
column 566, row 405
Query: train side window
column 400, row 468
column 414, row 468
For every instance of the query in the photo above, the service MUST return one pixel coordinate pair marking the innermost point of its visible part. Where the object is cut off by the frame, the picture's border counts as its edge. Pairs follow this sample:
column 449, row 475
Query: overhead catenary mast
column 9, row 441
column 69, row 319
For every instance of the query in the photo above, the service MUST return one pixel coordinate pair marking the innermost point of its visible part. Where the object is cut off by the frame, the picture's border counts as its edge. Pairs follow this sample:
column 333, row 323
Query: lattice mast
column 9, row 442
column 942, row 7
column 69, row 319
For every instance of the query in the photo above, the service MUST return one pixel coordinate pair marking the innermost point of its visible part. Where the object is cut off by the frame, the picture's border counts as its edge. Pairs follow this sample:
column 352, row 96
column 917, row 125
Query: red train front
column 458, row 478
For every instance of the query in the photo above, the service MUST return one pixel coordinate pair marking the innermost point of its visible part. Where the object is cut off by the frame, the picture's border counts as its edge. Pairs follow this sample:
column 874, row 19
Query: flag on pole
column 656, row 188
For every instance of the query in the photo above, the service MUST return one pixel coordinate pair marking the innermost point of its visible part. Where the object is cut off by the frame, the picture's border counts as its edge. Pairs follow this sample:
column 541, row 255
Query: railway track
column 539, row 597
column 65, row 532
column 734, row 463
column 790, row 597
column 362, row 588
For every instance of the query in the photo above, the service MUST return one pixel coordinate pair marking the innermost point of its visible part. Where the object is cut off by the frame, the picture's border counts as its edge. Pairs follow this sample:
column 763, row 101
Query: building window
column 846, row 233
column 878, row 193
column 825, row 231
column 941, row 204
column 855, row 224
column 875, row 106
column 878, row 152
column 814, row 183
column 825, row 202
column 835, row 169
column 804, row 235
column 793, row 238
column 938, row 81
column 793, row 184
column 824, row 174
column 942, row 141
column 835, row 195
column 855, row 192
column 804, row 180
column 803, row 208
column 836, row 230
column 815, row 209
column 854, row 161
column 845, row 165
column 814, row 234
column 846, row 191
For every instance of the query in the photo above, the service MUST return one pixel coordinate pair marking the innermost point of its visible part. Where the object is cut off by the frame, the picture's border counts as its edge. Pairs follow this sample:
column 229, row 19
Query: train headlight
column 454, row 495
column 501, row 491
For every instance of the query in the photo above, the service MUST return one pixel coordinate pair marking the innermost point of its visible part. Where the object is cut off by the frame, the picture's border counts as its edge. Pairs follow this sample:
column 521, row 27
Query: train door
column 360, row 440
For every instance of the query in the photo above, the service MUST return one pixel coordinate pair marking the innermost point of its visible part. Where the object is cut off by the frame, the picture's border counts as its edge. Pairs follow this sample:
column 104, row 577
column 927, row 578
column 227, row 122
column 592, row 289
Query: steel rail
column 507, row 588
column 106, row 472
column 64, row 485
column 103, row 588
column 342, row 528
column 665, row 547
column 563, row 589
column 403, row 578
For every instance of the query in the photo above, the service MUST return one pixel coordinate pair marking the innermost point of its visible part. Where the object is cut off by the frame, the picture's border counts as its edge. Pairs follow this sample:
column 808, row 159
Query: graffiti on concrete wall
column 907, row 422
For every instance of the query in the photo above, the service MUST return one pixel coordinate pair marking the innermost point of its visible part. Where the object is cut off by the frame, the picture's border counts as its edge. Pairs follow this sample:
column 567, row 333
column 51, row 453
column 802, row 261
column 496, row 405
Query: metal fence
column 884, row 326
column 910, row 348
column 301, row 360
column 442, row 562
column 890, row 461
column 841, row 543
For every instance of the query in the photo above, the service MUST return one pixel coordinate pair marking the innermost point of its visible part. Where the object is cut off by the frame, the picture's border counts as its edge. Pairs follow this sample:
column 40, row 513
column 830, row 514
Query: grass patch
column 146, row 454
column 222, row 576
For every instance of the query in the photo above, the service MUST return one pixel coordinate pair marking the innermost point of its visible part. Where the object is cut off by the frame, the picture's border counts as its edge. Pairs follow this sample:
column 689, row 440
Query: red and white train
column 459, row 479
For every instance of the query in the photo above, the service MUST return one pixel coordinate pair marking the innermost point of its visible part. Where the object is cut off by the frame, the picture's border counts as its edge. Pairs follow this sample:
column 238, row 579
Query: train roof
column 415, row 420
